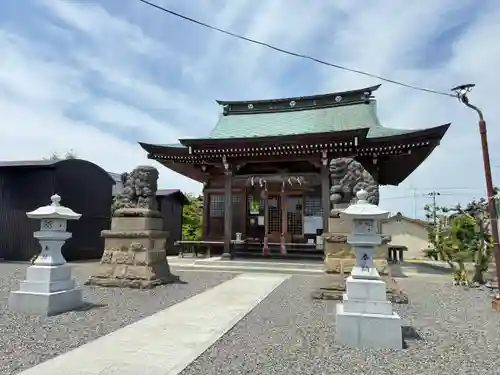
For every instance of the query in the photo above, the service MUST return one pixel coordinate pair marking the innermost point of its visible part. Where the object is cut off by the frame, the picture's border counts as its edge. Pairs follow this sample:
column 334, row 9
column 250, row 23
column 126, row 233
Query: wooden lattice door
column 294, row 216
column 274, row 217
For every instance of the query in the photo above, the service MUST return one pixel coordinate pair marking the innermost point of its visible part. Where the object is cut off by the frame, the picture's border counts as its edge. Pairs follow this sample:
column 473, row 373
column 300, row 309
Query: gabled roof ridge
column 295, row 98
column 400, row 216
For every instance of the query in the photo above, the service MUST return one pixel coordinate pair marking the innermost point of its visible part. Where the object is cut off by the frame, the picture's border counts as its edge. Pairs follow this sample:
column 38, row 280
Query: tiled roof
column 332, row 119
column 400, row 216
column 169, row 192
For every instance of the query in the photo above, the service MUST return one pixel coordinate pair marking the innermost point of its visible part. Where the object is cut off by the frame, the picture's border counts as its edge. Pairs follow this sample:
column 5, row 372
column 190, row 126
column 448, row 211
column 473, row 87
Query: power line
column 414, row 201
column 307, row 57
column 442, row 188
column 414, row 196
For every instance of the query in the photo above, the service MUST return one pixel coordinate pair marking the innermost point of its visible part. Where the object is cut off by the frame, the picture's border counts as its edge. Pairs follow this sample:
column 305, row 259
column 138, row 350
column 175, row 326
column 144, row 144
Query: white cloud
column 130, row 72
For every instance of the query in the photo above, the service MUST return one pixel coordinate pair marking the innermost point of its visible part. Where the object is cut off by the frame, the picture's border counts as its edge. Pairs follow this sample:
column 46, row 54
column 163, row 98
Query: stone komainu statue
column 348, row 176
column 139, row 189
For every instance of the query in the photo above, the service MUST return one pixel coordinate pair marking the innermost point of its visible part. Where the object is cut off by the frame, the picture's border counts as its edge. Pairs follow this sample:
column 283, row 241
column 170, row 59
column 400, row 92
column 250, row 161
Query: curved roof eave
column 392, row 134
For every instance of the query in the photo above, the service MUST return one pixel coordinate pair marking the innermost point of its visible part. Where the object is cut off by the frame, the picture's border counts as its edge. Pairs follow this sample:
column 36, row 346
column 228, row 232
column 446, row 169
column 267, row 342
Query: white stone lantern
column 49, row 288
column 365, row 317
column 52, row 234
column 365, row 236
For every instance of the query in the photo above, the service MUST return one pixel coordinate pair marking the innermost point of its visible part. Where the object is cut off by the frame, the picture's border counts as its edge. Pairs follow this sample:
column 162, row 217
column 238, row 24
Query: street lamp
column 462, row 92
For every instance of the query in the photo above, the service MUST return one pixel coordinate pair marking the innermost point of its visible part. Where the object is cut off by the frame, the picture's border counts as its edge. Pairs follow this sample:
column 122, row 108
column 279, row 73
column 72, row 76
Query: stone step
column 247, row 269
column 261, row 264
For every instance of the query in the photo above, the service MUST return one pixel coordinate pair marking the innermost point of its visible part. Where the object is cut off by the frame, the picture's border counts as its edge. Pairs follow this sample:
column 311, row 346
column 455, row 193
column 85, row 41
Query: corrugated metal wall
column 22, row 190
column 84, row 187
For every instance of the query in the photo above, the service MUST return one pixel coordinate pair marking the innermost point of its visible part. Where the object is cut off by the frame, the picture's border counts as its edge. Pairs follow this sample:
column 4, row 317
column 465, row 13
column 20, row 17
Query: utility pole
column 462, row 92
column 414, row 191
column 433, row 194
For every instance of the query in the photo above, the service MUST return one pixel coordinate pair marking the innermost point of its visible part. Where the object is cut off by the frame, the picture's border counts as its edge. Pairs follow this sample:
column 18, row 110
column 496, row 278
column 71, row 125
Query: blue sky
column 98, row 76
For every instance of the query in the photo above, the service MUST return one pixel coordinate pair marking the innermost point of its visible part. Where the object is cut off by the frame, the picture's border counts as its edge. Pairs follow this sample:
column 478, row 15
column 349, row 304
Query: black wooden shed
column 83, row 186
column 170, row 204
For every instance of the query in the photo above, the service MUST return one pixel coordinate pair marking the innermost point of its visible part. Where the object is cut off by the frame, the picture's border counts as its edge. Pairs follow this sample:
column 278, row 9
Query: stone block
column 104, row 271
column 107, row 256
column 338, row 225
column 45, row 303
column 345, row 265
column 120, row 271
column 364, row 307
column 48, row 273
column 124, row 244
column 140, row 273
column 360, row 289
column 123, row 257
column 136, row 223
column 358, row 330
column 159, row 244
column 46, row 287
column 137, row 212
column 335, row 248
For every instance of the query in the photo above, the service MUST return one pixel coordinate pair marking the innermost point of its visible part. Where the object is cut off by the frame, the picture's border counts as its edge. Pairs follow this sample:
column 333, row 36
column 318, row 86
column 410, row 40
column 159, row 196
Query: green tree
column 461, row 235
column 481, row 245
column 192, row 216
column 69, row 155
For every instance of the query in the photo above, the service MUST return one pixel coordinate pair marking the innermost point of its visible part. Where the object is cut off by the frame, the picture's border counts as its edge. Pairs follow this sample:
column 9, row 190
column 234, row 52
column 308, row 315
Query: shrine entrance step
column 293, row 251
column 313, row 268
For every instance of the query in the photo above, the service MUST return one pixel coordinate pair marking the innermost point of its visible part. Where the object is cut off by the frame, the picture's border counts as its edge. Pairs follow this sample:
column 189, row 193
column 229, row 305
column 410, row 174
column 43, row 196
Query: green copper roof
column 175, row 145
column 332, row 119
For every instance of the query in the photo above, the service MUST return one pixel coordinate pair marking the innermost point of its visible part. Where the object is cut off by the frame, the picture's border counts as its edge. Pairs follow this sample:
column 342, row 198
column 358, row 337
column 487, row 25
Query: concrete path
column 289, row 267
column 165, row 343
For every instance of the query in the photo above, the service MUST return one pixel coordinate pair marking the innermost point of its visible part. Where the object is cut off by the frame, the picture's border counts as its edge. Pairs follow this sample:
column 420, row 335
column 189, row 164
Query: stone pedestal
column 134, row 251
column 49, row 288
column 365, row 318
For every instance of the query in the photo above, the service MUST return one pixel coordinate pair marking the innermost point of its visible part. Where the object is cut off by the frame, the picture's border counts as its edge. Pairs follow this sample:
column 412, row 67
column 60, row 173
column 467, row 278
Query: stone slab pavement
column 167, row 342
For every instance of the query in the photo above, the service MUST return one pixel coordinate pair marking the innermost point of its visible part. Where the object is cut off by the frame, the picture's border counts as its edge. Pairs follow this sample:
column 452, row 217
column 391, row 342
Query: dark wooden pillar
column 265, row 246
column 206, row 215
column 284, row 221
column 325, row 190
column 375, row 172
column 228, row 213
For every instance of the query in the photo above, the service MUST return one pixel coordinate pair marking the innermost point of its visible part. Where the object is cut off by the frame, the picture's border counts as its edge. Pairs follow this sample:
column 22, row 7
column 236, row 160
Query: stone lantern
column 49, row 288
column 365, row 317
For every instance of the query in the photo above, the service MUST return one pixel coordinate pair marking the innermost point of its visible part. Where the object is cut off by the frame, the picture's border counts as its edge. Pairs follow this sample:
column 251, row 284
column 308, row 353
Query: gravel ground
column 29, row 340
column 288, row 333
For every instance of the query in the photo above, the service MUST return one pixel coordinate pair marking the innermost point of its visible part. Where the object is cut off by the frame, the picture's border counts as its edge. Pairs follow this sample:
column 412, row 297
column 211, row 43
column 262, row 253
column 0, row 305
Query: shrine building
column 265, row 166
